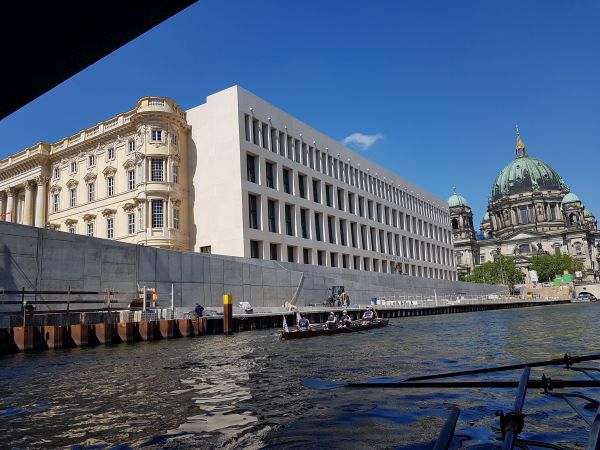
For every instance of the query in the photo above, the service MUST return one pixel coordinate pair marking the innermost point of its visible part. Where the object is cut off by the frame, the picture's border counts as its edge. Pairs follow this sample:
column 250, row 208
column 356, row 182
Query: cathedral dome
column 456, row 200
column 587, row 213
column 486, row 217
column 570, row 198
column 525, row 174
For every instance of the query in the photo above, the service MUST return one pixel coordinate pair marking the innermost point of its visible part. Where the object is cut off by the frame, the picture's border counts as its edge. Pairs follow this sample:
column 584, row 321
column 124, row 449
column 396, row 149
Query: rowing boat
column 313, row 332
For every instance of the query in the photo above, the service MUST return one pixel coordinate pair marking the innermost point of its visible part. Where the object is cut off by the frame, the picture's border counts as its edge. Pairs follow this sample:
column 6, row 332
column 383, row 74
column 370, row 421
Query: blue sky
column 436, row 87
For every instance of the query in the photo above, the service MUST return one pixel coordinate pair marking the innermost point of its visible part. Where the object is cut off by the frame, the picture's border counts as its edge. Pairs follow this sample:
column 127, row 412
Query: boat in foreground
column 313, row 332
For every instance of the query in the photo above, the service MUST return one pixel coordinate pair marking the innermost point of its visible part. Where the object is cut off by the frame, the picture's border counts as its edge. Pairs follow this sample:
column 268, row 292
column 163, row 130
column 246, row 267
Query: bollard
column 227, row 314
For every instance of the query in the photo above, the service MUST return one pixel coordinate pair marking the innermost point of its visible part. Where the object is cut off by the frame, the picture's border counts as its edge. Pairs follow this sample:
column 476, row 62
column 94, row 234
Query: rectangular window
column 157, row 172
column 251, row 168
column 302, row 185
column 90, row 229
column 73, row 166
column 72, row 230
column 289, row 224
column 286, row 181
column 272, row 216
column 175, row 174
column 254, row 250
column 206, row 249
column 156, row 135
column 130, row 180
column 303, row 213
column 73, row 198
column 340, row 199
column 91, row 160
column 269, row 175
column 265, row 137
column 55, row 202
column 176, row 218
column 110, row 230
column 318, row 227
column 370, row 209
column 247, row 126
column 306, row 255
column 343, row 232
column 274, row 251
column 91, row 191
column 131, row 146
column 252, row 212
column 316, row 187
column 351, row 203
column 290, row 254
column 110, row 186
column 255, row 132
column 131, row 223
column 174, row 139
column 328, row 194
column 331, row 228
column 110, row 153
column 361, row 206
column 158, row 218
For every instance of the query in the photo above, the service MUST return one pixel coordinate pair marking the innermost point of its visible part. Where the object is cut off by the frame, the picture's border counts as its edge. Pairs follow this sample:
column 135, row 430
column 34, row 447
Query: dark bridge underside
column 44, row 43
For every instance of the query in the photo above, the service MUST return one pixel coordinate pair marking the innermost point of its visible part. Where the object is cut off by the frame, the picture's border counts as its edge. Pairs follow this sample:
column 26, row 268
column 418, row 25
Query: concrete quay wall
column 46, row 260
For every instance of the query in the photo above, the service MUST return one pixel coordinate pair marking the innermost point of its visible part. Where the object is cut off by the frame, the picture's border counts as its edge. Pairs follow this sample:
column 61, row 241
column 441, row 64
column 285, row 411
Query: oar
column 315, row 383
column 566, row 360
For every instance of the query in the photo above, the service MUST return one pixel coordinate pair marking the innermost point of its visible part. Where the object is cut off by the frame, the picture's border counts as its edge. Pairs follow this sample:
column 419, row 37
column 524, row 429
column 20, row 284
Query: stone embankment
column 64, row 330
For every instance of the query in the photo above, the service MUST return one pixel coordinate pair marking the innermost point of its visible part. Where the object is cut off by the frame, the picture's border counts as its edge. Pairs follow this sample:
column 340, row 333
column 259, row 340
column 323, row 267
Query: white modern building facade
column 234, row 176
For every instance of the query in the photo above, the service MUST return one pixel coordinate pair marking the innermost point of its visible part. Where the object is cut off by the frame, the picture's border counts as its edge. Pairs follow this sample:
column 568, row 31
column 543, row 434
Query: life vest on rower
column 304, row 324
column 368, row 315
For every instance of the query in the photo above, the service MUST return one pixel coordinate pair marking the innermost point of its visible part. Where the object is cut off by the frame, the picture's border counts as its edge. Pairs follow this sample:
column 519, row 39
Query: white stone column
column 2, row 204
column 28, row 206
column 10, row 204
column 40, row 202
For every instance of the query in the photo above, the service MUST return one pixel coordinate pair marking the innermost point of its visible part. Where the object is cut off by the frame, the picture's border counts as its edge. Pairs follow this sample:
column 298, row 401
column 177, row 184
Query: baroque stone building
column 530, row 211
column 233, row 176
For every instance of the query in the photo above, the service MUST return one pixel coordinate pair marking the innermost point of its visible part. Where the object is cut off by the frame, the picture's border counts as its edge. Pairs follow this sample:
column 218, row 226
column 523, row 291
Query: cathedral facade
column 531, row 210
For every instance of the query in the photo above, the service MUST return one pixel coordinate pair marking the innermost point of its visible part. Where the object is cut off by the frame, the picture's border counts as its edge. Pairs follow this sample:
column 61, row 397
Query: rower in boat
column 345, row 320
column 369, row 316
column 303, row 324
column 331, row 323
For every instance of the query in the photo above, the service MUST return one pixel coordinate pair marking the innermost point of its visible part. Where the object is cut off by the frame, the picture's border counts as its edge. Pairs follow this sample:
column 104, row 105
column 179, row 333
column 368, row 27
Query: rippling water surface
column 246, row 391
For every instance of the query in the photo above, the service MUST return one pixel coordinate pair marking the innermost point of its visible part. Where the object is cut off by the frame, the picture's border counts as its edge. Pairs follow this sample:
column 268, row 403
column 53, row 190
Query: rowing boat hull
column 340, row 330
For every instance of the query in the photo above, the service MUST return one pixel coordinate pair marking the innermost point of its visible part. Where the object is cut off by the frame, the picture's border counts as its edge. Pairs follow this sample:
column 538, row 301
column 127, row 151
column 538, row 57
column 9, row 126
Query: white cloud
column 363, row 141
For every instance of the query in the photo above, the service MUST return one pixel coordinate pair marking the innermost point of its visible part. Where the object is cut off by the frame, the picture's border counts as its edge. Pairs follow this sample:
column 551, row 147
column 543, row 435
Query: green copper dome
column 587, row 213
column 486, row 217
column 570, row 198
column 525, row 174
column 456, row 199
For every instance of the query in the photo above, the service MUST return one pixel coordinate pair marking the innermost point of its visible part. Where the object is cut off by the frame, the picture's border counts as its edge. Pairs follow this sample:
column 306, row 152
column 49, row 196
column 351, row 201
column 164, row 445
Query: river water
column 245, row 391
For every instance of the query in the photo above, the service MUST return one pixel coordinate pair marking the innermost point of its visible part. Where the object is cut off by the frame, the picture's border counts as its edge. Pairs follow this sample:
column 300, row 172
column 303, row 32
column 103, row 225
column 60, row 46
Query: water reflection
column 245, row 390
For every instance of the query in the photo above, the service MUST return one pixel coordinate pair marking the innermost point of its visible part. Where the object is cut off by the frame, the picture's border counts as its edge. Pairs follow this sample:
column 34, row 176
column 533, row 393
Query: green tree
column 502, row 270
column 547, row 266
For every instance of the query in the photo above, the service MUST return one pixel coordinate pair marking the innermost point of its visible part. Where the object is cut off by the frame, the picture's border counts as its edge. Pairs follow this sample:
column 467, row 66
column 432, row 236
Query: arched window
column 573, row 219
column 455, row 224
column 578, row 249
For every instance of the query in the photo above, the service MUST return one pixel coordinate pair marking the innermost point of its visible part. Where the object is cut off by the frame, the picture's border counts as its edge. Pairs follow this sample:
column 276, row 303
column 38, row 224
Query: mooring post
column 227, row 314
column 172, row 301
column 68, row 298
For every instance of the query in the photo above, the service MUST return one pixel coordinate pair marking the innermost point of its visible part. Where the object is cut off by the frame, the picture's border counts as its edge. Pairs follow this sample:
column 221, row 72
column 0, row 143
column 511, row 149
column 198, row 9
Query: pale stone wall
column 39, row 259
